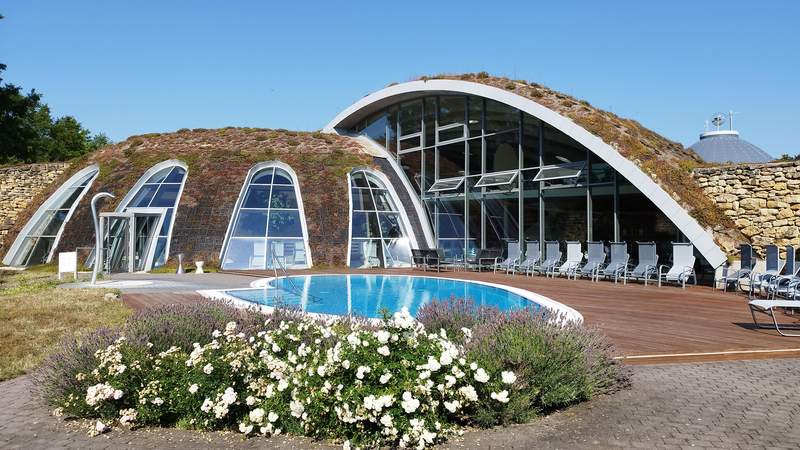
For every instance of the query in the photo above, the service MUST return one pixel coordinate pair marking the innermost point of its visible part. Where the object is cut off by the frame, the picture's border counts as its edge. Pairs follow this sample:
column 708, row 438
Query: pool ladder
column 276, row 263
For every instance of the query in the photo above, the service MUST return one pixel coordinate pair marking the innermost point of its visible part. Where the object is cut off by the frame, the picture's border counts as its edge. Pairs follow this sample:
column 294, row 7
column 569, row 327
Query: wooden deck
column 646, row 324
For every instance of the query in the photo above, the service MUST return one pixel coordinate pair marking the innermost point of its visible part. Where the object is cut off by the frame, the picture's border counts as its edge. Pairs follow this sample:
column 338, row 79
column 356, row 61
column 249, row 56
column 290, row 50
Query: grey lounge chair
column 647, row 267
column 618, row 265
column 574, row 259
column 418, row 259
column 785, row 286
column 773, row 268
column 595, row 260
column 513, row 258
column 532, row 258
column 682, row 268
column 768, row 307
column 748, row 261
column 552, row 258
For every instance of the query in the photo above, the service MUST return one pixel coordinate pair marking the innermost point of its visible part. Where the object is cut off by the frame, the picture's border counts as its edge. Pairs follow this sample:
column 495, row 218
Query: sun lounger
column 532, row 258
column 768, row 308
column 647, row 267
column 682, row 268
column 617, row 267
column 595, row 260
column 574, row 259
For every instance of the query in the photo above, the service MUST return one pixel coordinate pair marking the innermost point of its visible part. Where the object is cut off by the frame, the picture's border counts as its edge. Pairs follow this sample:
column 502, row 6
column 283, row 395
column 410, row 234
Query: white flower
column 385, row 378
column 257, row 415
column 100, row 427
column 193, row 388
column 387, row 421
column 346, row 445
column 207, row 369
column 402, row 319
column 321, row 370
column 58, row 412
column 469, row 393
column 383, row 336
column 282, row 385
column 272, row 417
column 230, row 327
column 117, row 394
column 501, row 396
column 250, row 400
column 127, row 416
column 473, row 366
column 158, row 401
column 244, row 428
column 433, row 365
column 452, row 406
column 467, row 333
column 508, row 377
column 276, row 348
column 409, row 403
column 361, row 371
column 297, row 408
column 207, row 405
column 384, row 350
column 481, row 376
column 346, row 363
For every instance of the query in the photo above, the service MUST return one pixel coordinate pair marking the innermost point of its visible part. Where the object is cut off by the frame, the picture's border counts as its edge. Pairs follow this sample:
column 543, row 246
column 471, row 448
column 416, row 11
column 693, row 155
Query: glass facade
column 160, row 190
column 522, row 178
column 378, row 237
column 267, row 225
column 37, row 245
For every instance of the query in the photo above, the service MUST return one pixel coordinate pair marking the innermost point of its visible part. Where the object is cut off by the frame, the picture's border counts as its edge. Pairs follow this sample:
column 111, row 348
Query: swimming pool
column 369, row 295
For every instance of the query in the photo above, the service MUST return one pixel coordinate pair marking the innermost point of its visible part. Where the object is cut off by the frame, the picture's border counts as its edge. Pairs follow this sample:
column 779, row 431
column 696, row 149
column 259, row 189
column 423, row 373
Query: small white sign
column 68, row 263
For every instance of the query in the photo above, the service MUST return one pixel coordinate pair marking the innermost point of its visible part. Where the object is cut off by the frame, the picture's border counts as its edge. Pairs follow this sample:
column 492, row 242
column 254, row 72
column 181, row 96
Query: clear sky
column 127, row 68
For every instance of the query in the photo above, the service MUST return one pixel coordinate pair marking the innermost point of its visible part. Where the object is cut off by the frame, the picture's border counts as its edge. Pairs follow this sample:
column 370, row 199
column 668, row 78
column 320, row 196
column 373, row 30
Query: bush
column 556, row 364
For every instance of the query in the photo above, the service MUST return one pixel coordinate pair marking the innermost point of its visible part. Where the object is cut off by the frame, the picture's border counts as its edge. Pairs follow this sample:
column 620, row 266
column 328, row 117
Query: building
column 726, row 146
column 457, row 162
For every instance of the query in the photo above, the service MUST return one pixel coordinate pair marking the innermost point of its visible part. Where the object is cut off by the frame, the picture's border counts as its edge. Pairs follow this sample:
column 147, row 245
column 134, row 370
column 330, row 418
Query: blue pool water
column 367, row 295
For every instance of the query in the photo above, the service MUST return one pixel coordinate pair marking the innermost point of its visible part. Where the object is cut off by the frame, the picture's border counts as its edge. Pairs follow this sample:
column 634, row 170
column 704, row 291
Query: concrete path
column 164, row 282
column 740, row 404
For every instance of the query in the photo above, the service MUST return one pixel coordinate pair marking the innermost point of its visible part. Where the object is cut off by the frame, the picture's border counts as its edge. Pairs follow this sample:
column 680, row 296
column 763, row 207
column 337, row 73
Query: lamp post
column 98, row 241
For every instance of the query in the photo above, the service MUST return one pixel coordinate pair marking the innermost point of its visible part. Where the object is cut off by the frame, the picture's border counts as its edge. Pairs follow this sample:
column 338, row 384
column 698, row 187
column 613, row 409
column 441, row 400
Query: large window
column 161, row 190
column 268, row 226
column 39, row 238
column 378, row 233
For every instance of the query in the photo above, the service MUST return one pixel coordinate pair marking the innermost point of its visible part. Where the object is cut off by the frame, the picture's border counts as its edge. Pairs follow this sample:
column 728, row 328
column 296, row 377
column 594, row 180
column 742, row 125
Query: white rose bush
column 393, row 384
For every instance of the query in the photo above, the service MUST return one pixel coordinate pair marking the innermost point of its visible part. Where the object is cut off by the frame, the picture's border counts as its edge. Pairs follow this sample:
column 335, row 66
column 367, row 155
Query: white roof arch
column 701, row 238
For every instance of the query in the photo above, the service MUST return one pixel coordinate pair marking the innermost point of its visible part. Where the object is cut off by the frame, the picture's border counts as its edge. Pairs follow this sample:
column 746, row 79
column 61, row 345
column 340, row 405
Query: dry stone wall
column 19, row 185
column 762, row 199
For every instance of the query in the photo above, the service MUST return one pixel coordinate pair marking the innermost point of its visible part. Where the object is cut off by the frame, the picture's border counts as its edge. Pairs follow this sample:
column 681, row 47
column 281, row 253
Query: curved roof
column 728, row 147
column 703, row 240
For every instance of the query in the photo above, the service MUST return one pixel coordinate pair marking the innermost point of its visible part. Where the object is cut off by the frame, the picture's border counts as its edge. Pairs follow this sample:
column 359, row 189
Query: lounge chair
column 574, row 259
column 785, row 286
column 418, row 259
column 552, row 258
column 595, row 260
column 484, row 258
column 748, row 261
column 513, row 258
column 647, row 267
column 532, row 258
column 682, row 268
column 618, row 265
column 768, row 307
column 773, row 268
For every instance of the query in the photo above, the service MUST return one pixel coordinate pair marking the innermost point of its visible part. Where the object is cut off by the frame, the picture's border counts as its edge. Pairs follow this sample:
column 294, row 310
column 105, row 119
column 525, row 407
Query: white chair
column 574, row 259
column 682, row 266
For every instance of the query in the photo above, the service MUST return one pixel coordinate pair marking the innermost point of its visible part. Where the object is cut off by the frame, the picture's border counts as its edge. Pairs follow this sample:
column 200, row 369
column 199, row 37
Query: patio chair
column 682, row 268
column 785, row 286
column 484, row 258
column 574, row 259
column 552, row 258
column 513, row 258
column 418, row 259
column 748, row 261
column 532, row 258
column 595, row 260
column 768, row 308
column 437, row 259
column 773, row 266
column 618, row 265
column 647, row 267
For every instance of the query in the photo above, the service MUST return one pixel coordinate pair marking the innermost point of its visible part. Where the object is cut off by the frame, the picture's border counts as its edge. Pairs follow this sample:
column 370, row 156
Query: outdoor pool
column 369, row 295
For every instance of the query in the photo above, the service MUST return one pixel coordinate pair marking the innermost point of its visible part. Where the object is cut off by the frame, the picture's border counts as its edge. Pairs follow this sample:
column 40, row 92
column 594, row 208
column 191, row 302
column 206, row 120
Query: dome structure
column 725, row 146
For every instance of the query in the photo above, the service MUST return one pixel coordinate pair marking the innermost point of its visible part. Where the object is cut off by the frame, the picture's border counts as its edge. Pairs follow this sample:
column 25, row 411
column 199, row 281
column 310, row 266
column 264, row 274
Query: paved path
column 740, row 404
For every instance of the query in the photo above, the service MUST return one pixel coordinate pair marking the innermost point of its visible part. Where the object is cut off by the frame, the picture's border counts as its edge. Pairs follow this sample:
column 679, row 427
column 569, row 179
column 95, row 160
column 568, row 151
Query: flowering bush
column 394, row 384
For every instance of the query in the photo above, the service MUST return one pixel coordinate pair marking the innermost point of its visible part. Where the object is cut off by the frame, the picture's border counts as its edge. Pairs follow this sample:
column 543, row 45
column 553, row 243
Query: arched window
column 268, row 224
column 378, row 236
column 39, row 238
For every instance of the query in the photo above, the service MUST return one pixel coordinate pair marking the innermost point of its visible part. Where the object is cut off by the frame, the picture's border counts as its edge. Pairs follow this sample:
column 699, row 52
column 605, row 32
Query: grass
column 36, row 315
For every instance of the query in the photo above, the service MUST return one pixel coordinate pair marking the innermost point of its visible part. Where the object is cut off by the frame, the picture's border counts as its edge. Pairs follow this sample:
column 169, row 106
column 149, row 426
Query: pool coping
column 566, row 313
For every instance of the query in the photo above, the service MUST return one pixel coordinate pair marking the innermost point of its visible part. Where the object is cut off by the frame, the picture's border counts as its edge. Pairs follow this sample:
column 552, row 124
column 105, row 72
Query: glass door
column 144, row 235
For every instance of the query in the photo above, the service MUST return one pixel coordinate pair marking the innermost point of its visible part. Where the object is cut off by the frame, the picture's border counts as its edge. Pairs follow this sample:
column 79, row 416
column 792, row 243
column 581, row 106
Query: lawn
column 36, row 315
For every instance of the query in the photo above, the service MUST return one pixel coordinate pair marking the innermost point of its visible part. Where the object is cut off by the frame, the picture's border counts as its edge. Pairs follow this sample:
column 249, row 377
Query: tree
column 29, row 133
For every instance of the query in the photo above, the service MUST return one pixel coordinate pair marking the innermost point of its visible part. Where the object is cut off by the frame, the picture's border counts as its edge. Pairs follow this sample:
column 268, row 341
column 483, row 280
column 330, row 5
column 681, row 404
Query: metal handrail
column 276, row 263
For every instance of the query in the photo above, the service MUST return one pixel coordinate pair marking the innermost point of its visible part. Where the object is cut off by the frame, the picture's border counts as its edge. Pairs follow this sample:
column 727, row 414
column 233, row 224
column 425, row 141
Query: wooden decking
column 646, row 324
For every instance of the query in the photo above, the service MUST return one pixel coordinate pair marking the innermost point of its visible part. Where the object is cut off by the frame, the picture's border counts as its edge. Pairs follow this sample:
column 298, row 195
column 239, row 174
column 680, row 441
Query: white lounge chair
column 785, row 286
column 647, row 267
column 736, row 278
column 768, row 307
column 682, row 268
column 617, row 267
column 512, row 258
column 532, row 258
column 773, row 268
column 552, row 258
column 574, row 259
column 595, row 260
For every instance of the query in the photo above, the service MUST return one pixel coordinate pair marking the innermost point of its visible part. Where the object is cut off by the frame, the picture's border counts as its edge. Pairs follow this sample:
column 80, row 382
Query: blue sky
column 127, row 68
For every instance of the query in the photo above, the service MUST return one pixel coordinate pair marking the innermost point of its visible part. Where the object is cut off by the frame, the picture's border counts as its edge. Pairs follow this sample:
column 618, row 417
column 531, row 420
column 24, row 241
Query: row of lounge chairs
column 595, row 264
column 776, row 287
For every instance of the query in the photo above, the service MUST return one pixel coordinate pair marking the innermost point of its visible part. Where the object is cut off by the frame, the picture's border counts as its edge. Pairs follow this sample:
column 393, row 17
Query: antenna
column 718, row 120
column 730, row 118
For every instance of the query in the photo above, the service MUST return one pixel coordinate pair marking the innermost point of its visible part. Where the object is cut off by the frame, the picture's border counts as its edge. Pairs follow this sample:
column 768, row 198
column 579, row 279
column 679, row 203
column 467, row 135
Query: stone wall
column 762, row 199
column 19, row 185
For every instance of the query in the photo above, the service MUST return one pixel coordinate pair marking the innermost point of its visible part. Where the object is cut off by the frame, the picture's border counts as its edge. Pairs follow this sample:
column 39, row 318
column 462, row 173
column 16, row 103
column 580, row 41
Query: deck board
column 639, row 320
